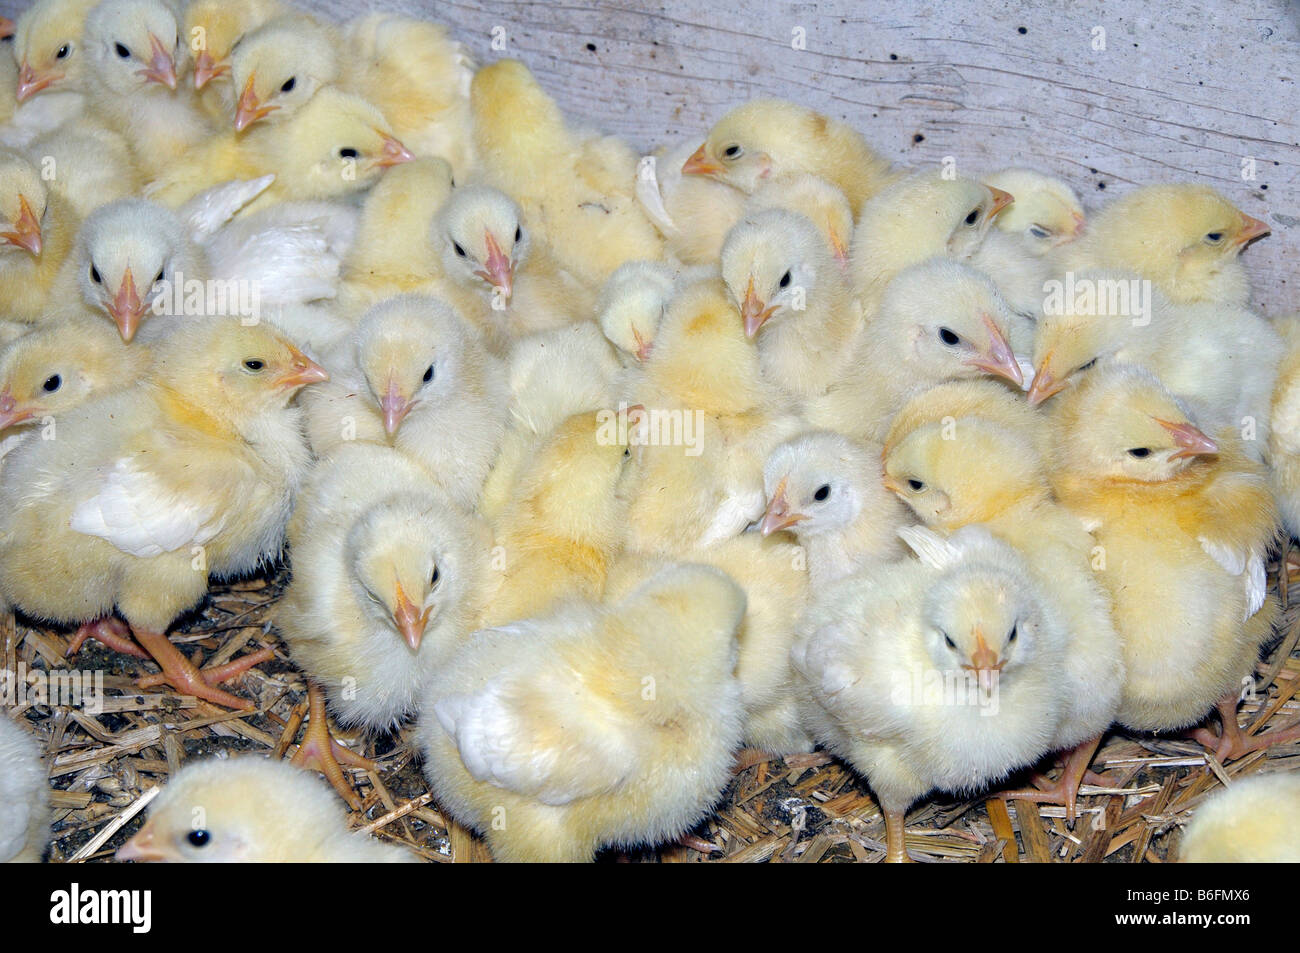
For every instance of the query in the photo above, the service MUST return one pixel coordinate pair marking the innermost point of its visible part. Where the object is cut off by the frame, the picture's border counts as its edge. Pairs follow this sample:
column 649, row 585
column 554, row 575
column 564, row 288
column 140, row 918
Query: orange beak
column 27, row 230
column 410, row 620
column 142, row 848
column 206, row 69
column 984, row 661
column 395, row 408
column 778, row 515
column 839, row 248
column 499, row 271
column 249, row 109
column 127, row 309
column 303, row 371
column 892, row 485
column 1251, row 229
column 10, row 412
column 1000, row 200
column 700, row 164
column 161, row 68
column 753, row 311
column 1045, row 383
column 393, row 152
column 31, row 82
column 6, row 28
column 643, row 346
column 1191, row 440
column 1079, row 221
column 999, row 358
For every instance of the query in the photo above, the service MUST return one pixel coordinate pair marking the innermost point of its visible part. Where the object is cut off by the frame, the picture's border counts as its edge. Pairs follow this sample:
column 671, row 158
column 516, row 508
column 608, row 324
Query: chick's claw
column 180, row 673
column 1233, row 743
column 111, row 632
column 320, row 752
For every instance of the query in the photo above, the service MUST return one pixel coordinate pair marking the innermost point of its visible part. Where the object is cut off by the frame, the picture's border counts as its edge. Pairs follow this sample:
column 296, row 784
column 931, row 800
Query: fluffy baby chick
column 938, row 673
column 1284, row 431
column 150, row 491
column 938, row 321
column 280, row 66
column 764, row 138
column 576, row 187
column 969, row 470
column 794, row 302
column 592, row 726
column 631, row 306
column 213, row 28
column 1183, row 523
column 1222, row 360
column 52, row 62
column 249, row 810
column 501, row 275
column 1252, row 822
column 1185, row 238
column 692, row 212
column 36, row 231
column 24, row 795
column 826, row 489
column 983, row 398
column 386, row 578
column 1045, row 214
column 824, row 204
column 92, row 165
column 919, row 217
column 134, row 52
column 416, row 376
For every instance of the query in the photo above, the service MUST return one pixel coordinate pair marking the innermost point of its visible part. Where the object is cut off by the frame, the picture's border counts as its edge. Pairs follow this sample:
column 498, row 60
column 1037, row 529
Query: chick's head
column 1046, row 212
column 48, row 46
column 632, row 305
column 949, row 322
column 817, row 483
column 213, row 27
column 124, row 252
column 23, row 202
column 771, row 263
column 58, row 367
column 134, row 44
column 756, row 140
column 1122, row 424
column 481, row 238
column 981, row 618
column 824, row 204
column 278, row 68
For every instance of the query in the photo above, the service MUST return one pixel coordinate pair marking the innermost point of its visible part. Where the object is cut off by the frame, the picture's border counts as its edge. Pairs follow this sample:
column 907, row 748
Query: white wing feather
column 136, row 513
column 1250, row 566
column 214, row 207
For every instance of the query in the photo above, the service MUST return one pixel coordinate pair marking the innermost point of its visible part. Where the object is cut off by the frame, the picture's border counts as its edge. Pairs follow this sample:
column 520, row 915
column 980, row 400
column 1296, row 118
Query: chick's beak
column 892, row 485
column 1001, row 200
column 1190, row 440
column 499, row 271
column 303, row 371
column 999, row 358
column 27, row 230
column 778, row 515
column 1045, row 383
column 249, row 109
column 206, row 69
column 31, row 82
column 392, row 152
column 753, row 310
column 410, row 620
column 161, row 68
column 10, row 412
column 643, row 346
column 395, row 408
column 840, row 248
column 700, row 164
column 984, row 661
column 142, row 848
column 1252, row 228
column 126, row 309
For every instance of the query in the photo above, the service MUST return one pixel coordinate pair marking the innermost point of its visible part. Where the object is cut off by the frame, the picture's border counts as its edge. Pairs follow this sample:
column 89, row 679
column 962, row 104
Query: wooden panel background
column 1182, row 89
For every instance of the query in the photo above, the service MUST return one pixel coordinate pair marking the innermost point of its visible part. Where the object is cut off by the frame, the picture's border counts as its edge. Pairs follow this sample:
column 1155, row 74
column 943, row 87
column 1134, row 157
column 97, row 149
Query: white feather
column 136, row 513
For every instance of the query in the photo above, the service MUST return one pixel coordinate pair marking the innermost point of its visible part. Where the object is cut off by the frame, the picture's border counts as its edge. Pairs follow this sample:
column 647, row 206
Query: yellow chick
column 631, row 306
column 824, row 204
column 92, row 165
column 795, row 303
column 249, row 810
column 150, row 491
column 52, row 62
column 36, row 232
column 416, row 376
column 134, row 53
column 1045, row 214
column 1256, row 821
column 24, row 796
column 593, row 726
column 692, row 212
column 1183, row 523
column 1185, row 238
column 963, row 471
column 212, row 29
column 938, row 321
column 764, row 138
column 938, row 673
column 386, row 581
column 827, row 490
column 983, row 398
column 1284, row 431
column 577, row 188
column 281, row 65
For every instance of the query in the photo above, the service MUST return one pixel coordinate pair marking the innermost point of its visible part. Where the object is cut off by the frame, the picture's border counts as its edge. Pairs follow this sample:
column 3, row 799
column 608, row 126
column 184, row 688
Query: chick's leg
column 111, row 632
column 895, row 835
column 319, row 751
column 216, row 674
column 1233, row 743
column 180, row 673
column 1065, row 790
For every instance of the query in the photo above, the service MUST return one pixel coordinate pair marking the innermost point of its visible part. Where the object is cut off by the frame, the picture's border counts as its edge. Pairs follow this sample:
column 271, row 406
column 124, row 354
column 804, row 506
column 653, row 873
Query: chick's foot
column 1232, row 743
column 320, row 752
column 180, row 673
column 111, row 632
column 1065, row 789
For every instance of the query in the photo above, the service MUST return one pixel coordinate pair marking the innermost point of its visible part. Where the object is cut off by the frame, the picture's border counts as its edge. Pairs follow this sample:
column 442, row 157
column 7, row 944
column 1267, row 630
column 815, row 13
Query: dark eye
column 1139, row 452
column 288, row 85
column 1091, row 364
column 64, row 50
column 160, row 276
column 732, row 152
column 916, row 485
column 519, row 234
column 1214, row 237
column 627, row 452
column 433, row 580
column 785, row 280
column 52, row 383
column 823, row 491
column 973, row 217
column 1039, row 232
column 199, row 838
column 951, row 643
column 348, row 153
column 1012, row 637
column 459, row 251
column 94, row 275
column 949, row 337
column 428, row 374
column 122, row 51
column 254, row 365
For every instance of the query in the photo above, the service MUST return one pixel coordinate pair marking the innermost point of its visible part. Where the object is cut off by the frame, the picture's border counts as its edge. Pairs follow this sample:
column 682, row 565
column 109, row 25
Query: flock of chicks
column 601, row 466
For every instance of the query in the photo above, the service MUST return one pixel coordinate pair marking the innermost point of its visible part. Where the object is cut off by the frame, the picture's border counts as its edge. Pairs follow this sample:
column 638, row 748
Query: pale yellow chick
column 692, row 212
column 1046, row 212
column 631, row 306
column 1256, row 821
column 212, row 28
column 52, row 68
column 36, row 232
column 90, row 164
column 824, row 204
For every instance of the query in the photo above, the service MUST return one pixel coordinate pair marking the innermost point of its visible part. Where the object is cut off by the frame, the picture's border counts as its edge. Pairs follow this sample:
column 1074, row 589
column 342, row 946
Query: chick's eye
column 94, row 275
column 1039, row 232
column 916, row 485
column 732, row 152
column 949, row 337
column 288, row 85
column 159, row 276
column 348, row 153
column 199, row 838
column 1214, row 237
column 627, row 452
column 52, row 383
column 785, row 280
column 951, row 643
column 433, row 580
column 973, row 217
column 519, row 234
column 1139, row 452
column 1012, row 637
column 254, row 365
column 823, row 492
column 1089, row 366
column 64, row 50
column 122, row 51
column 459, row 251
column 428, row 374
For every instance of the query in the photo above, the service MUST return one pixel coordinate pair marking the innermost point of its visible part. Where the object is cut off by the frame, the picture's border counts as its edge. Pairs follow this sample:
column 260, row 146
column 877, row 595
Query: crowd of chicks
column 602, row 466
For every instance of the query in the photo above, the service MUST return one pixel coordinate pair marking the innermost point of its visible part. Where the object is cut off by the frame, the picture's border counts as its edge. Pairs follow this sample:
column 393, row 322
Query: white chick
column 692, row 212
column 248, row 810
column 1046, row 212
column 940, row 673
column 631, row 306
column 592, row 726
column 24, row 795
column 51, row 63
column 1255, row 821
